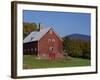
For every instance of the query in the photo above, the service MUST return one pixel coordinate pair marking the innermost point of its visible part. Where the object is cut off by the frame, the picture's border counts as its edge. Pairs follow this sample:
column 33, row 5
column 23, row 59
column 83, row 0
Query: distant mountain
column 78, row 37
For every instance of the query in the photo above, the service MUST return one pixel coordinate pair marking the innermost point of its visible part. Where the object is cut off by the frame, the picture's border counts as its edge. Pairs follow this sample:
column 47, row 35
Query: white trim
column 57, row 34
column 29, row 72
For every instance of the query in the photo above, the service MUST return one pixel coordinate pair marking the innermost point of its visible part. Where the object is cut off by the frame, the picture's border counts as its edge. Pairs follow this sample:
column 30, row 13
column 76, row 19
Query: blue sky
column 64, row 23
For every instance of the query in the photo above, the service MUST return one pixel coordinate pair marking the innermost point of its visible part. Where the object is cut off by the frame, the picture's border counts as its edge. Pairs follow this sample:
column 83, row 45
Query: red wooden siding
column 50, row 43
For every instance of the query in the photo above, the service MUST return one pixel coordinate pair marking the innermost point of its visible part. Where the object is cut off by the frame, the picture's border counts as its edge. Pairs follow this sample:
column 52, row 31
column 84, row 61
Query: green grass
column 30, row 62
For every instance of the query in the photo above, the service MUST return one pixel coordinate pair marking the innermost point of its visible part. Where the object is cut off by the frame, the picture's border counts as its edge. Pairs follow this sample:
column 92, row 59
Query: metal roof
column 36, row 35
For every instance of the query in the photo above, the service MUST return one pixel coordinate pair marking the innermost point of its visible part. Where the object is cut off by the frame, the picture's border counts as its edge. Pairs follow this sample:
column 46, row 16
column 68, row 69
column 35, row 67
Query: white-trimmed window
column 49, row 40
column 35, row 49
column 51, row 48
column 53, row 40
column 31, row 49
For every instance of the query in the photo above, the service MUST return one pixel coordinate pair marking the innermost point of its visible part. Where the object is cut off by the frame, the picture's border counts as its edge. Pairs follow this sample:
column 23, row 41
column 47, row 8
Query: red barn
column 45, row 44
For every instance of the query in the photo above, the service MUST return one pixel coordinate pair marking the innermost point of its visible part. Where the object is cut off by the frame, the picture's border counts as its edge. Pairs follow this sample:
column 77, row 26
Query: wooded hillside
column 77, row 47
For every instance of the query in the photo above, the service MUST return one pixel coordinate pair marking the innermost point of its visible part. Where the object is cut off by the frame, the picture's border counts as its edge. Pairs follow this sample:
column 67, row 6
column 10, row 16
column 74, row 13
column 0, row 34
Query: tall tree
column 28, row 27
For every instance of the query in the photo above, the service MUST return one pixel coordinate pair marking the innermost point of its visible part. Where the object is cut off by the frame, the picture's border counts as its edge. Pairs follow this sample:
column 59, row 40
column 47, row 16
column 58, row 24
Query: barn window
column 51, row 48
column 35, row 49
column 31, row 38
column 49, row 40
column 53, row 40
column 28, row 49
column 31, row 49
column 50, row 31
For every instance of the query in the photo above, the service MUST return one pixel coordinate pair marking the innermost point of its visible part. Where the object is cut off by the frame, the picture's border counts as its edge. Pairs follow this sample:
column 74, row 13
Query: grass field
column 30, row 62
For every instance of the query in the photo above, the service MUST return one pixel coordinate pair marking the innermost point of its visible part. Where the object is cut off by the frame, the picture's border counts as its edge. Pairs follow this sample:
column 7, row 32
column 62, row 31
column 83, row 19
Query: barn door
column 51, row 54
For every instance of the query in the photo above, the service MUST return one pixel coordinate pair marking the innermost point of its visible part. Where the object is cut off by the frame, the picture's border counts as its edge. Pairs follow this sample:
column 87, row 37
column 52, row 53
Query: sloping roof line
column 57, row 34
column 37, row 35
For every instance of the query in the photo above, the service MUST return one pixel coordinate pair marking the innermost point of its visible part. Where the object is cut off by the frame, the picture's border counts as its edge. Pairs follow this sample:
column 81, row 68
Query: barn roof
column 37, row 35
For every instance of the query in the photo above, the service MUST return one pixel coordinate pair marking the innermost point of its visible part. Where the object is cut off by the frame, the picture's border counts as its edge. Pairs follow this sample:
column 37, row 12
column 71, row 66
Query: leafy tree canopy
column 28, row 27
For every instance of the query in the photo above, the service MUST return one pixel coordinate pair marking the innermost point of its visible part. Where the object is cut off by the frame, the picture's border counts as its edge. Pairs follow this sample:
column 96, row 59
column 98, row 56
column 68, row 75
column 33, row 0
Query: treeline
column 77, row 48
column 28, row 27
